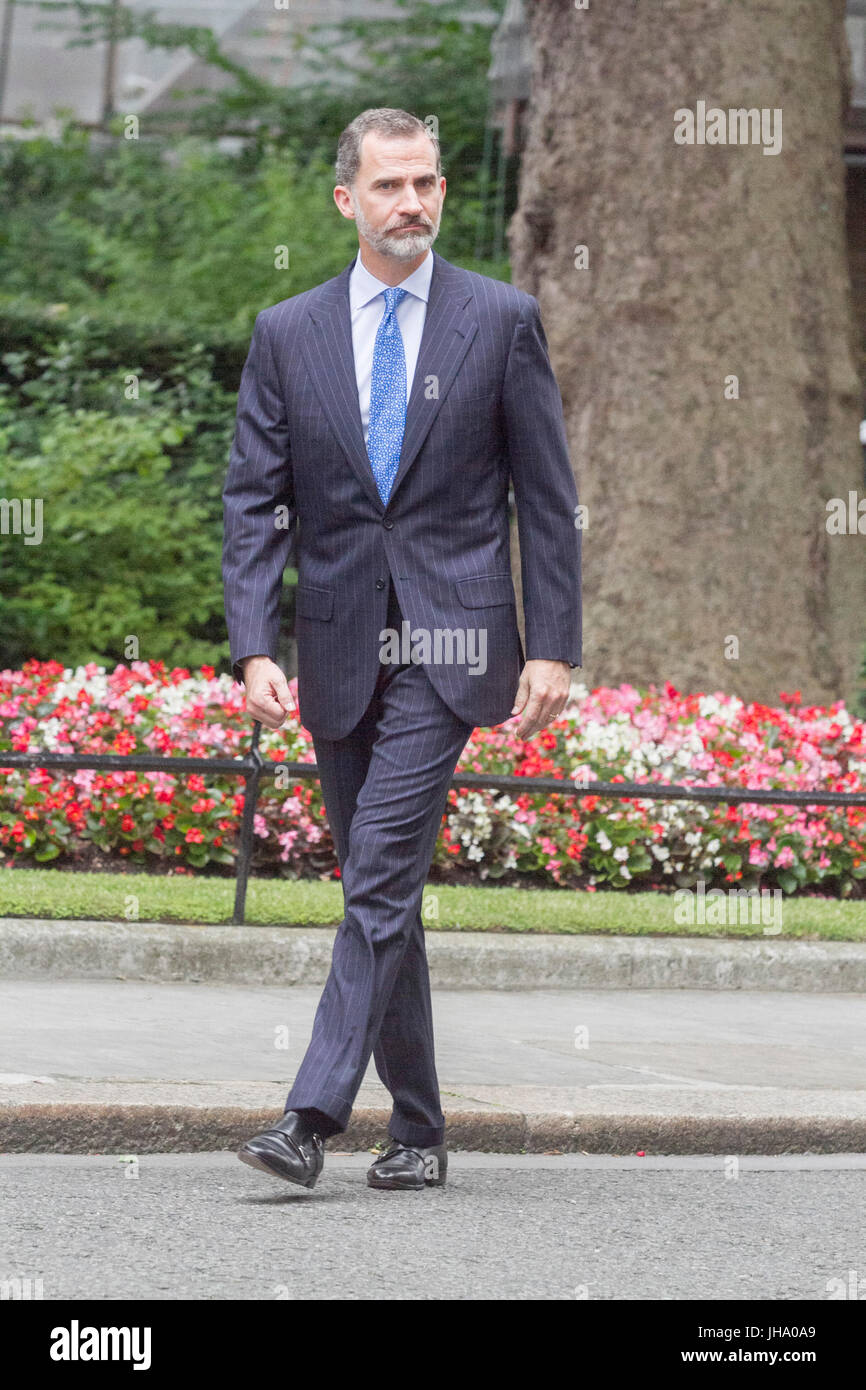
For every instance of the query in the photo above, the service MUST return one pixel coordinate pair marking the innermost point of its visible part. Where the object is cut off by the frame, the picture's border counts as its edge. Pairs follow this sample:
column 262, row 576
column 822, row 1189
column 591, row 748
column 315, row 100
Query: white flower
column 621, row 853
column 50, row 733
column 602, row 840
column 660, row 851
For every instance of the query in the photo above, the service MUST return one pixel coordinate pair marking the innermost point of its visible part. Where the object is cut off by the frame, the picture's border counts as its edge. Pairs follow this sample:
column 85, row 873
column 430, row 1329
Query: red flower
column 127, row 823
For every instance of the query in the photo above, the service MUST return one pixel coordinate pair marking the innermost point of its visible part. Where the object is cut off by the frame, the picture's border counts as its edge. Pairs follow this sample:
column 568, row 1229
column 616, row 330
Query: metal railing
column 252, row 767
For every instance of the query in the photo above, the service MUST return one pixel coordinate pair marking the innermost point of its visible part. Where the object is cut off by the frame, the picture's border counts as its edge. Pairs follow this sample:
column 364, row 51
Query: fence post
column 253, row 763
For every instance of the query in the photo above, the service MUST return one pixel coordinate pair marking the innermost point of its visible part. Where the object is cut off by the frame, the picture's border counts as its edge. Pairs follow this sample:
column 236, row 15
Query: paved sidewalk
column 117, row 1066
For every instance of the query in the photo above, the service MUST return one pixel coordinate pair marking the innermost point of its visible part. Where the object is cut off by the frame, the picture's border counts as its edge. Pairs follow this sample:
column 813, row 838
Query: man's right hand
column 269, row 698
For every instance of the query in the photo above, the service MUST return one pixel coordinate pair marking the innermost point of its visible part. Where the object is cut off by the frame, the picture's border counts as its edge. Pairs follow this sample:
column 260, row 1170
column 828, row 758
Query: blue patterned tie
column 387, row 397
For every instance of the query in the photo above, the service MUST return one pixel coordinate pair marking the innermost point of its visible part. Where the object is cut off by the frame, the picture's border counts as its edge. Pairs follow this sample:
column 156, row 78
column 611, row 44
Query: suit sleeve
column 259, row 512
column 545, row 496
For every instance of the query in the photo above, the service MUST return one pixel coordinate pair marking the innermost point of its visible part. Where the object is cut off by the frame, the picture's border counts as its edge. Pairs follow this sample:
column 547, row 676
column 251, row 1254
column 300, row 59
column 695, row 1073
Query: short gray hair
column 385, row 120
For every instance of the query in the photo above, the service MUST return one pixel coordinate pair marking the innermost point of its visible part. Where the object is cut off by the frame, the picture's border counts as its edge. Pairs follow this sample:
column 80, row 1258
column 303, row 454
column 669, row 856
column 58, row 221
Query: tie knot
column 393, row 296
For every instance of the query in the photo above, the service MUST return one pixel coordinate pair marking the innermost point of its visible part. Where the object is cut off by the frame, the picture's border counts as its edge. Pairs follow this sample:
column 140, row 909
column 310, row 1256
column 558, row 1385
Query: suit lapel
column 330, row 360
column 449, row 328
column 448, row 331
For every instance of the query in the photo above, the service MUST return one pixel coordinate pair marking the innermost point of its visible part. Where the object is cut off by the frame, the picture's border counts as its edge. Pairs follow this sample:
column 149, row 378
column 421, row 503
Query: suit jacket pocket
column 312, row 602
column 485, row 590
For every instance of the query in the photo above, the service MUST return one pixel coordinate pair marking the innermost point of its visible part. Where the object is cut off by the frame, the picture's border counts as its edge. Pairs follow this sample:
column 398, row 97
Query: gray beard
column 404, row 246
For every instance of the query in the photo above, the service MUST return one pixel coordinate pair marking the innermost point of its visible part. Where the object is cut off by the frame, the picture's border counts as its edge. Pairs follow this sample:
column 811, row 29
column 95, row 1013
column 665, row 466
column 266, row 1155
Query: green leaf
column 47, row 852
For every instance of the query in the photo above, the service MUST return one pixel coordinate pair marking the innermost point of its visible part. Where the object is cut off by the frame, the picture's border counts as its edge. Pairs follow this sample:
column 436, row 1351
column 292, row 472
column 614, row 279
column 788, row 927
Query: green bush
column 162, row 234
column 124, row 551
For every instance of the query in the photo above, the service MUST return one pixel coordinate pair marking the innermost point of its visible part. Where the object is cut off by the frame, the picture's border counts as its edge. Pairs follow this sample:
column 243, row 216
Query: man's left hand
column 542, row 694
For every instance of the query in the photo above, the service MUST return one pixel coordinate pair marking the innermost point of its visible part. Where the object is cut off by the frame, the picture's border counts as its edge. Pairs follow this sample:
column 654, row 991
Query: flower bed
column 622, row 734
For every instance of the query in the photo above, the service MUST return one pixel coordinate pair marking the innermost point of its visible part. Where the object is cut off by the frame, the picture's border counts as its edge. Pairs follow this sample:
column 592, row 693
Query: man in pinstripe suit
column 383, row 415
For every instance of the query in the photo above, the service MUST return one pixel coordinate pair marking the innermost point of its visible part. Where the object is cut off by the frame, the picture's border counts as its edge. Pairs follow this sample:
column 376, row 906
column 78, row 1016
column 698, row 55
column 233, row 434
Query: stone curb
column 143, row 1129
column 35, row 948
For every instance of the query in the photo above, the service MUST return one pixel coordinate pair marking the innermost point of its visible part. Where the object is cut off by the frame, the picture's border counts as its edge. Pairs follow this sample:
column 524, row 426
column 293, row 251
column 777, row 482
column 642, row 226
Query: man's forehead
column 397, row 155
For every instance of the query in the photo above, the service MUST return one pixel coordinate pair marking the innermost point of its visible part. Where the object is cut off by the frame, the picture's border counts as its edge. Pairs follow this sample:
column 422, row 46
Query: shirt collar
column 363, row 286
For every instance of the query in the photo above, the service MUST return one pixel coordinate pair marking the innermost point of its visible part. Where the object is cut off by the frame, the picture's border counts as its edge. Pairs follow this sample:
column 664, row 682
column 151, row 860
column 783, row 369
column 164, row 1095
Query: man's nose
column 410, row 203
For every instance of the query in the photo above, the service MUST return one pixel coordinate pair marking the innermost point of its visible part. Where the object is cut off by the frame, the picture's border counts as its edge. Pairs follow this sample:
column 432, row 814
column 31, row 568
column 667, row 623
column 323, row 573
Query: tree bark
column 707, row 558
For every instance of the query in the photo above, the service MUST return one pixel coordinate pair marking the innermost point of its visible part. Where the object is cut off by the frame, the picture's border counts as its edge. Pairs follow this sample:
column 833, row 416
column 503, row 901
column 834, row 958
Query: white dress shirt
column 367, row 303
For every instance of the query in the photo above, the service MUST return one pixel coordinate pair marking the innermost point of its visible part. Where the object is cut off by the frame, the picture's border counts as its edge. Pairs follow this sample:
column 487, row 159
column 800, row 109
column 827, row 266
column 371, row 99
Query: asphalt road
column 204, row 1226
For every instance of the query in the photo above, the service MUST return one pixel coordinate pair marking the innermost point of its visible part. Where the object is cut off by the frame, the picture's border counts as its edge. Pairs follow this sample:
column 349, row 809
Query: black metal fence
column 252, row 767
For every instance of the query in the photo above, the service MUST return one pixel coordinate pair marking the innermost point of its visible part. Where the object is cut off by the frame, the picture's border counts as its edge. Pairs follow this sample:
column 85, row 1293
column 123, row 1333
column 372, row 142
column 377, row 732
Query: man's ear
column 343, row 199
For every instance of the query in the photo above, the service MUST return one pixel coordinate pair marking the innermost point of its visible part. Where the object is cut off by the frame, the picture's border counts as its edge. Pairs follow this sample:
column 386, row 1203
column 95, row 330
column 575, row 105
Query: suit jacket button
column 389, row 525
column 380, row 583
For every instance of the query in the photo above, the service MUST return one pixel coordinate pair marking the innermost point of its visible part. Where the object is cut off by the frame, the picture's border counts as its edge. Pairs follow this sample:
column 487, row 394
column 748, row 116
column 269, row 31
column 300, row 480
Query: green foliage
column 166, row 235
column 432, row 59
column 126, row 549
column 860, row 694
column 129, row 464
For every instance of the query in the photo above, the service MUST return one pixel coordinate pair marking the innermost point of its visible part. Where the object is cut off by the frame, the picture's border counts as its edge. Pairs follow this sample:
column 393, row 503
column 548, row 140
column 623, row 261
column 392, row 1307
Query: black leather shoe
column 290, row 1150
column 409, row 1166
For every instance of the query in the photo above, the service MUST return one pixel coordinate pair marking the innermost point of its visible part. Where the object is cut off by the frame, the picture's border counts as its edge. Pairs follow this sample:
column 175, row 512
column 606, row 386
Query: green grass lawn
column 52, row 893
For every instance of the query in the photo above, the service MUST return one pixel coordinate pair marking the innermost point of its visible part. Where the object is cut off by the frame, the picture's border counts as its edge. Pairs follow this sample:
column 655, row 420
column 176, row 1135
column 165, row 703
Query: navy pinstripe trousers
column 385, row 788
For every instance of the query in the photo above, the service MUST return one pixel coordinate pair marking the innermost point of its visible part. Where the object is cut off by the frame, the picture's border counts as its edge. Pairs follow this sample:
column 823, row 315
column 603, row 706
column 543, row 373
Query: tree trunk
column 707, row 556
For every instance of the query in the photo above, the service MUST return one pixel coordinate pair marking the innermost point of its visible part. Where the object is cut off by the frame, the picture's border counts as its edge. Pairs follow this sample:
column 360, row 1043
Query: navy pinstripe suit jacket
column 484, row 407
